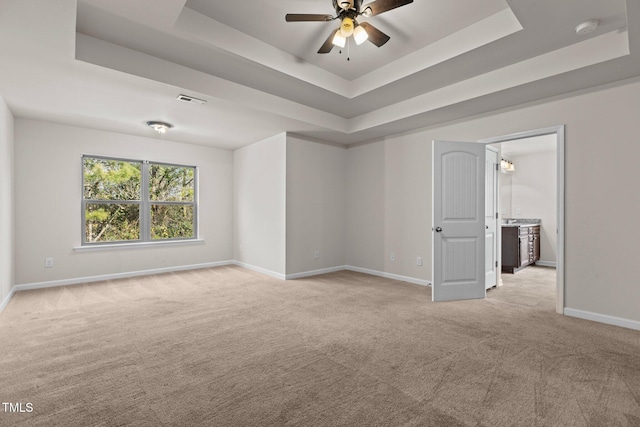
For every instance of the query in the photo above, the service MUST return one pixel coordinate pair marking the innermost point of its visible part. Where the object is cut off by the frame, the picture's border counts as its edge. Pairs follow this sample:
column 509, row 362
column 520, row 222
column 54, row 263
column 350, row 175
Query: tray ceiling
column 114, row 64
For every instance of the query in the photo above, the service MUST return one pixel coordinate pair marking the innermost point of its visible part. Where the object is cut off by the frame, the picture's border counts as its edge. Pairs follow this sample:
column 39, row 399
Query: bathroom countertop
column 520, row 222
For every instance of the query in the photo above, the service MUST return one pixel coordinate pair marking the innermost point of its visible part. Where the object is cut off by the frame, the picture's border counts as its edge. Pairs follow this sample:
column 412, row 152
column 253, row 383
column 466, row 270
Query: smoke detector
column 587, row 27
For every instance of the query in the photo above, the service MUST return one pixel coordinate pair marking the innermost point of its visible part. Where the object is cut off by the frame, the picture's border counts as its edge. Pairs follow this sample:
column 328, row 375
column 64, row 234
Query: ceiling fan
column 347, row 11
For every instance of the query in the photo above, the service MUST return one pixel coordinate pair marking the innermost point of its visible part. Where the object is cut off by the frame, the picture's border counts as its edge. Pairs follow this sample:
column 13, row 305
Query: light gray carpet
column 230, row 347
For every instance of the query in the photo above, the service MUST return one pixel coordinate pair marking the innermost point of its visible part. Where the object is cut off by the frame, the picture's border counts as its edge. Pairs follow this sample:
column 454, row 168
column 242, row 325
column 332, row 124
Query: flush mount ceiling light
column 348, row 12
column 160, row 127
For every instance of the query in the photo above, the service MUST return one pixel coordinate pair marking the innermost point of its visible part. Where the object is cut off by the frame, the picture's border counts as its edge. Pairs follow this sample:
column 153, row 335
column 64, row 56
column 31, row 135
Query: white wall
column 260, row 205
column 7, row 279
column 48, row 194
column 505, row 195
column 315, row 205
column 533, row 193
column 601, row 196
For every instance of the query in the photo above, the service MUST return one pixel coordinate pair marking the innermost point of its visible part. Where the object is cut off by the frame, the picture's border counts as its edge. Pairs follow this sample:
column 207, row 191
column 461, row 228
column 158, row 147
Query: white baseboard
column 388, row 275
column 7, row 299
column 603, row 318
column 260, row 270
column 65, row 282
column 333, row 270
column 546, row 263
column 315, row 272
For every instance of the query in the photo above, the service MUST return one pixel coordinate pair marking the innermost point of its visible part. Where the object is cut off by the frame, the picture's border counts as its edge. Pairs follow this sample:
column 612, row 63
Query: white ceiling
column 115, row 64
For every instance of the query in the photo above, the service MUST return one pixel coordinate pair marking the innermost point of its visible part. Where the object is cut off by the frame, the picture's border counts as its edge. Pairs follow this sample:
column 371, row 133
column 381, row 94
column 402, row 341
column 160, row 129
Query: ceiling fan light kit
column 339, row 39
column 360, row 35
column 346, row 27
column 348, row 12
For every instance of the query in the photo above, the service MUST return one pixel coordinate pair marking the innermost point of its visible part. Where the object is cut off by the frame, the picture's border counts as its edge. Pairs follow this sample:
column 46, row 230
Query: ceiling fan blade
column 328, row 44
column 380, row 6
column 376, row 36
column 305, row 17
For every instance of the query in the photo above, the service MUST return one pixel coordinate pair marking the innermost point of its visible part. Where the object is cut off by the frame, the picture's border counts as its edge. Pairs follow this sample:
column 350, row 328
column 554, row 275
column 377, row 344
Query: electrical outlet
column 419, row 261
column 393, row 256
column 316, row 255
column 48, row 263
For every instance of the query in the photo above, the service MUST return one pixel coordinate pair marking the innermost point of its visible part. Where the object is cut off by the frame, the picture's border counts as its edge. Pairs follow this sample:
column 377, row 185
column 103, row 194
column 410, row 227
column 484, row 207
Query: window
column 137, row 201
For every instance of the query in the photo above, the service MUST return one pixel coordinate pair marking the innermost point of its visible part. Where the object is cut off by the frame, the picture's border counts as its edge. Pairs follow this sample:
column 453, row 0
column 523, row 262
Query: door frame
column 559, row 131
column 496, row 238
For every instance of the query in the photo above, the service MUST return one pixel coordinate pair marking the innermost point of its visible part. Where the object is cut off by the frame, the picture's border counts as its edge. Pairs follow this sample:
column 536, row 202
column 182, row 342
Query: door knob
column 438, row 229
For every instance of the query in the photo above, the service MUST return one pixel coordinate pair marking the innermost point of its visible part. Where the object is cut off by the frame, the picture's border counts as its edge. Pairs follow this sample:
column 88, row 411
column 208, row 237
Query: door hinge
column 496, row 215
column 496, row 264
column 497, row 167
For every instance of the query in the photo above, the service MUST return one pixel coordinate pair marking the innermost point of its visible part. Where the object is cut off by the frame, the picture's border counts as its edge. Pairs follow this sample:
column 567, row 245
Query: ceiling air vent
column 191, row 99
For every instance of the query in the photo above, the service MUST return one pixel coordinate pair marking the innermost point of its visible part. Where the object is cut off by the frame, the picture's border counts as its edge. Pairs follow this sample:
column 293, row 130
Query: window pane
column 171, row 221
column 111, row 222
column 111, row 179
column 171, row 183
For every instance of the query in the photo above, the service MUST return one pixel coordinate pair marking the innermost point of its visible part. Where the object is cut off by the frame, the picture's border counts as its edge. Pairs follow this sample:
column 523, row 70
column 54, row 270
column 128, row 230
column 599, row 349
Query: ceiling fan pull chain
column 348, row 50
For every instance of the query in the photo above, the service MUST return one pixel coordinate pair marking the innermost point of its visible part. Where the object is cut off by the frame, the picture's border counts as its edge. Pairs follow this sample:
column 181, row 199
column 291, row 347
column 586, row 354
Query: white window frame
column 145, row 204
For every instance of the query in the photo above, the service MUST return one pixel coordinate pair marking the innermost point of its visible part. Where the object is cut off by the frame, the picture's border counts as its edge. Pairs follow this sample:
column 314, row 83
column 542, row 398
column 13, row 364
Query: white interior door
column 491, row 219
column 458, row 220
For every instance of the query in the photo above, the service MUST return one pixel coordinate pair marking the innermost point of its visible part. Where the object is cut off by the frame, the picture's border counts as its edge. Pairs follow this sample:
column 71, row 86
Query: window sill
column 137, row 245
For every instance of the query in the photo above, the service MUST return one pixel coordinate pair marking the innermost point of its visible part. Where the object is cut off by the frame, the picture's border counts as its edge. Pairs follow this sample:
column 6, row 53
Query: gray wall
column 316, row 207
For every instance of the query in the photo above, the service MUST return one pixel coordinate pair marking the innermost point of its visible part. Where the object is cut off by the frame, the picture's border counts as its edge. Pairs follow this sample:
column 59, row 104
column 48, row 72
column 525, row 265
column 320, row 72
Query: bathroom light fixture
column 506, row 165
column 160, row 127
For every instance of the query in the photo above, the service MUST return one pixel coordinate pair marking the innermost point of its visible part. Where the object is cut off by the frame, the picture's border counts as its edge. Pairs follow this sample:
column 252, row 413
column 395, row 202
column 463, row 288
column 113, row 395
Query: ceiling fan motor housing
column 345, row 5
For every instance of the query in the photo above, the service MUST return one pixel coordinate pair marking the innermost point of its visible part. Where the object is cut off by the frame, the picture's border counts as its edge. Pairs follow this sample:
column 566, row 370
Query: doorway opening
column 556, row 133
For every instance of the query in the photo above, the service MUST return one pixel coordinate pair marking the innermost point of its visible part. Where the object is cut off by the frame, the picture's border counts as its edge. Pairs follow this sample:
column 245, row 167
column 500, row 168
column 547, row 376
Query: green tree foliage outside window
column 126, row 201
column 170, row 184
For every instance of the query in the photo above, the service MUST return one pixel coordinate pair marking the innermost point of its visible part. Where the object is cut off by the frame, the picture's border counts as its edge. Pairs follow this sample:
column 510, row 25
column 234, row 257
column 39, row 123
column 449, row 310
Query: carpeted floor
column 230, row 347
